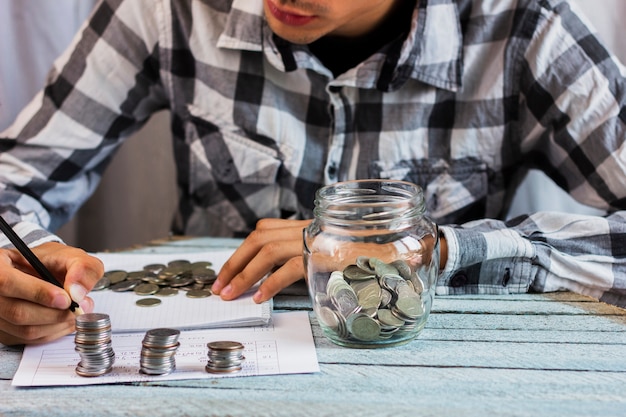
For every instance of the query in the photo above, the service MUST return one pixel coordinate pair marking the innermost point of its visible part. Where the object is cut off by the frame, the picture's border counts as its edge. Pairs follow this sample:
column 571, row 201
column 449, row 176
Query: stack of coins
column 158, row 351
column 224, row 357
column 93, row 344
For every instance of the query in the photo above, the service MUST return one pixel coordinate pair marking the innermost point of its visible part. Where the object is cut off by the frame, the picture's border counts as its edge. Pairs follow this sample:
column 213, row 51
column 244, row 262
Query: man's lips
column 291, row 19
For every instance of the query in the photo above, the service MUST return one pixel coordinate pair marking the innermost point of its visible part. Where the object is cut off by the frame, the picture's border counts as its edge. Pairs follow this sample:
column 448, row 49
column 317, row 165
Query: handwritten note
column 283, row 347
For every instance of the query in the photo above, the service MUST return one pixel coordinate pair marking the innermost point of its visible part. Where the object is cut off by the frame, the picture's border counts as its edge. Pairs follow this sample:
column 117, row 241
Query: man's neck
column 339, row 54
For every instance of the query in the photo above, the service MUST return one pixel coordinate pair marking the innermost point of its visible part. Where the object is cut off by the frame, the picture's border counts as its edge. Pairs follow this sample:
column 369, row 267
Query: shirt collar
column 434, row 48
column 431, row 53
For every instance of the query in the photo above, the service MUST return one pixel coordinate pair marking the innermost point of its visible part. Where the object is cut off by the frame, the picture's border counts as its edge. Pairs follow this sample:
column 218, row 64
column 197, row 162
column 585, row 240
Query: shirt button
column 458, row 280
column 332, row 171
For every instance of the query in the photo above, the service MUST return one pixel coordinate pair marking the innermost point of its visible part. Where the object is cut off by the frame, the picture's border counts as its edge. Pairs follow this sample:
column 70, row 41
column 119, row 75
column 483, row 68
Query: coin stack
column 224, row 357
column 93, row 344
column 158, row 351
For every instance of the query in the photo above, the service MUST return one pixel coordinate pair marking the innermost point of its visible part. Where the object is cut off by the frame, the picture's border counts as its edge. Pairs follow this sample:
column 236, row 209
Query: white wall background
column 136, row 198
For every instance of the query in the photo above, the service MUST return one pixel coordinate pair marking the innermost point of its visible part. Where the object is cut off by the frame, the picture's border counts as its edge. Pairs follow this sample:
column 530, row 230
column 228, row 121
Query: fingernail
column 87, row 305
column 61, row 301
column 217, row 287
column 257, row 297
column 227, row 291
column 78, row 292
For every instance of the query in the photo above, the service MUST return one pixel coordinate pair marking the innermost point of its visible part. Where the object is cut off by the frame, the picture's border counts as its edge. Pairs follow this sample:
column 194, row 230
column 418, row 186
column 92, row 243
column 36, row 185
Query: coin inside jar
column 370, row 300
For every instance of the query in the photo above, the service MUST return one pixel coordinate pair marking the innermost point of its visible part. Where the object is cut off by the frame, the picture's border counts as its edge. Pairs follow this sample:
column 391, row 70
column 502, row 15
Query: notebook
column 178, row 311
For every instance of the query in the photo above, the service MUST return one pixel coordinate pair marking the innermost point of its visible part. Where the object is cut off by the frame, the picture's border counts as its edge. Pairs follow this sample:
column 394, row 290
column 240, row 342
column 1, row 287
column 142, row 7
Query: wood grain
column 557, row 354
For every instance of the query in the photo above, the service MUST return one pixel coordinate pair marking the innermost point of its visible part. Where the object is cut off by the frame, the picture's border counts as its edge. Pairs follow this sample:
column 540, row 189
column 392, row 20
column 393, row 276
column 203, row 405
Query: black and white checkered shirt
column 478, row 93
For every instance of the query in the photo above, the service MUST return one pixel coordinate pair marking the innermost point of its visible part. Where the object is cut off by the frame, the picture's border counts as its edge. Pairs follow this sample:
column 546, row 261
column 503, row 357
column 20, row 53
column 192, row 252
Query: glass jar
column 371, row 260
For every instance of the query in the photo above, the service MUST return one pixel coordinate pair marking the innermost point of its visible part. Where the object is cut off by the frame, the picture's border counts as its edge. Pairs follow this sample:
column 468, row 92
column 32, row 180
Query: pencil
column 32, row 259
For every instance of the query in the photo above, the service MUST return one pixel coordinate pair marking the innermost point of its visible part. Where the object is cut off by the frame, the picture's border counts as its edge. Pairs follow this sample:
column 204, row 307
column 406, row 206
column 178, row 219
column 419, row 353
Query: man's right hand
column 35, row 311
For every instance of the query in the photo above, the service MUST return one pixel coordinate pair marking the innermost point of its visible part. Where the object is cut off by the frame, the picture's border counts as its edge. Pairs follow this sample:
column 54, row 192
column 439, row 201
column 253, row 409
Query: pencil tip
column 78, row 311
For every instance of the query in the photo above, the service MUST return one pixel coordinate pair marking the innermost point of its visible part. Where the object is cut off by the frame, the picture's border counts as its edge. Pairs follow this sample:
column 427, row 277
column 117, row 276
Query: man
column 272, row 99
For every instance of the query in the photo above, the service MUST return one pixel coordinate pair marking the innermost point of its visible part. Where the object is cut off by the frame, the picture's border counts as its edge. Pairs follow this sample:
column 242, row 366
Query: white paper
column 283, row 347
column 179, row 311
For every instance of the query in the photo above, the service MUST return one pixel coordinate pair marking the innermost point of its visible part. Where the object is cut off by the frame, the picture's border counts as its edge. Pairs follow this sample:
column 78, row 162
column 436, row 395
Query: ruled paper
column 179, row 311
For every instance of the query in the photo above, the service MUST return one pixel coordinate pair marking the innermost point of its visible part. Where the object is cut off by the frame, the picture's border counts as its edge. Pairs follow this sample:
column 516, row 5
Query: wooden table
column 557, row 354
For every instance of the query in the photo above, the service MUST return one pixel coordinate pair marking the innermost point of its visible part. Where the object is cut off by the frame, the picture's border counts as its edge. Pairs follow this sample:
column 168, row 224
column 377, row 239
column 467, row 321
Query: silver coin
column 155, row 268
column 148, row 302
column 328, row 318
column 222, row 345
column 180, row 281
column 102, row 284
column 386, row 318
column 363, row 327
column 345, row 300
column 382, row 268
column 198, row 293
column 166, row 292
column 179, row 263
column 355, row 273
column 201, row 266
column 418, row 285
column 214, row 370
column 403, row 268
column 363, row 262
column 116, row 276
column 146, row 289
column 410, row 307
column 126, row 285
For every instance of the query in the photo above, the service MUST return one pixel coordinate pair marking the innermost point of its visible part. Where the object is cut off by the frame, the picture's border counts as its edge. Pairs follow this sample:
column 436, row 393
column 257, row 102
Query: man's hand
column 34, row 311
column 275, row 248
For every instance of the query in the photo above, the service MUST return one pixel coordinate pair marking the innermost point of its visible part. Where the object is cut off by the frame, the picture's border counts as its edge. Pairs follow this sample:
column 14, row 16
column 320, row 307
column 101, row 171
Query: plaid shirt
column 478, row 93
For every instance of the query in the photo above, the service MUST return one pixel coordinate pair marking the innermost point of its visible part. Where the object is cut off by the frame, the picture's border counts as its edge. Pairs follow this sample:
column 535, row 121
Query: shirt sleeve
column 572, row 107
column 101, row 89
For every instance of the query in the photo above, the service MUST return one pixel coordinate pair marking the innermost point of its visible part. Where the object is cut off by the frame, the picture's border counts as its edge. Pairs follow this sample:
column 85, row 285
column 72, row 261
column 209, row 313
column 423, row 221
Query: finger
column 20, row 335
column 284, row 276
column 87, row 305
column 18, row 285
column 269, row 223
column 25, row 313
column 258, row 240
column 273, row 254
column 78, row 270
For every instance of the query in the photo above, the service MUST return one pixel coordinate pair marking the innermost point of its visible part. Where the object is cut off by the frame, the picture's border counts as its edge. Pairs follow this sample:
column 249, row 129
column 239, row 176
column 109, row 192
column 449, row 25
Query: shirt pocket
column 455, row 191
column 232, row 154
column 231, row 167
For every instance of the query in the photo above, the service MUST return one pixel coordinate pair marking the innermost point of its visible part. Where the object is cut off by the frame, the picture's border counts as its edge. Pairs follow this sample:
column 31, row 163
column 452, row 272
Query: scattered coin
column 148, row 302
column 146, row 289
column 116, row 276
column 166, row 292
column 102, row 283
column 162, row 280
column 199, row 293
